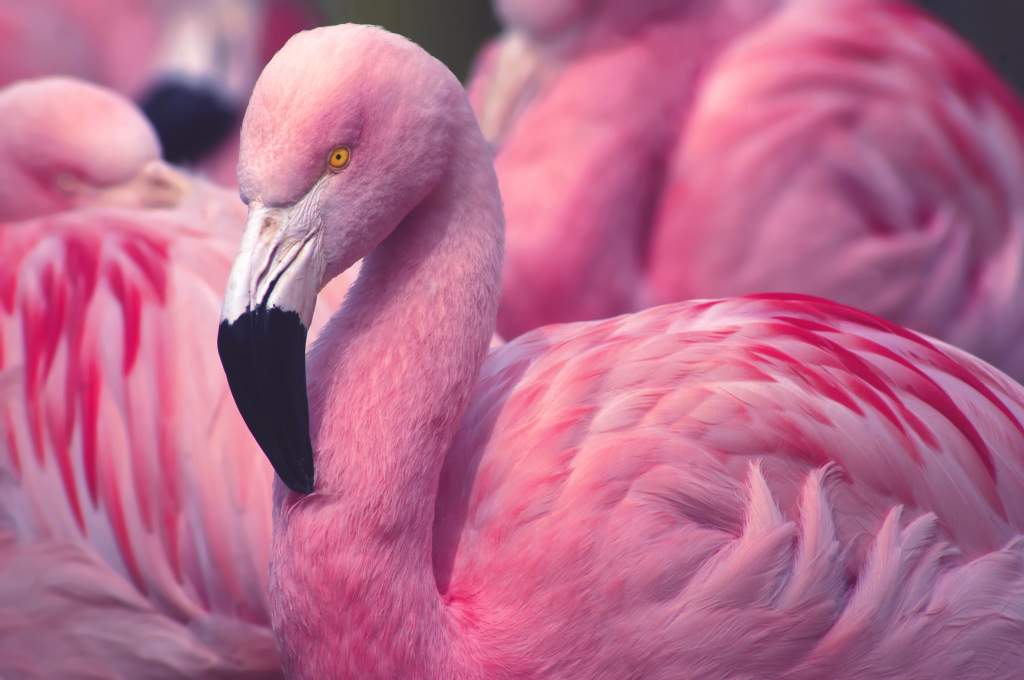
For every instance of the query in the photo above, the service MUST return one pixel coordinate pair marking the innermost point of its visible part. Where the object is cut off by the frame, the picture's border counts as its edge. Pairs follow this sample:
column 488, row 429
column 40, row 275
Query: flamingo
column 191, row 63
column 207, row 61
column 884, row 171
column 773, row 486
column 153, row 554
column 126, row 479
column 134, row 509
column 67, row 143
column 583, row 100
column 852, row 149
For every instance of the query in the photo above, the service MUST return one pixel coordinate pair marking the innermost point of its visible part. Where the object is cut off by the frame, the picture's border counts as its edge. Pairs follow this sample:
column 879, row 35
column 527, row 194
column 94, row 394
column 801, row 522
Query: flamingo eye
column 339, row 157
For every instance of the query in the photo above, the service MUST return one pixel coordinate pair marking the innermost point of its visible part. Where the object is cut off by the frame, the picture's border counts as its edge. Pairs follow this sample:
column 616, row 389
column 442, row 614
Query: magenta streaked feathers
column 128, row 478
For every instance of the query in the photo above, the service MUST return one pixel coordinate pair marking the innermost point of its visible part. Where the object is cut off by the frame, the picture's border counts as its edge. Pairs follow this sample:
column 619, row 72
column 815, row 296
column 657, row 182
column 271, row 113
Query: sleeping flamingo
column 765, row 487
column 134, row 509
column 853, row 149
column 66, row 143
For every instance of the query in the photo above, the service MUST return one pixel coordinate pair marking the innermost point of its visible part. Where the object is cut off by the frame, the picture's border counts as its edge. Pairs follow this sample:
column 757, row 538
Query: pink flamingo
column 766, row 487
column 153, row 555
column 852, row 149
column 134, row 510
column 127, row 478
column 67, row 144
column 192, row 62
column 875, row 160
column 584, row 100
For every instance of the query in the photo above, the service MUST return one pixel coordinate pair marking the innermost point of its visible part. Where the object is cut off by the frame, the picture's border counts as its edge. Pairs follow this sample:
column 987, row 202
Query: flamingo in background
column 853, row 149
column 134, row 509
column 583, row 100
column 203, row 71
column 191, row 63
column 68, row 143
column 860, row 151
column 765, row 487
column 127, row 480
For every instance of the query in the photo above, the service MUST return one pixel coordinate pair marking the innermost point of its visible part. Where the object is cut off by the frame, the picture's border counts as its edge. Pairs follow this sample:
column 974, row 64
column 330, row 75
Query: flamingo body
column 882, row 172
column 583, row 118
column 632, row 496
column 107, row 399
column 126, row 477
column 773, row 486
column 854, row 149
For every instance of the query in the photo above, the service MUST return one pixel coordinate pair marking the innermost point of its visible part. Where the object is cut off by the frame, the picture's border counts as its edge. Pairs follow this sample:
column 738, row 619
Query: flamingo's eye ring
column 339, row 158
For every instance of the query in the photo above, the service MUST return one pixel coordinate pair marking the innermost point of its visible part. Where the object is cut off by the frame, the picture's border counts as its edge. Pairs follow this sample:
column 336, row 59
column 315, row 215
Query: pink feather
column 851, row 149
column 127, row 478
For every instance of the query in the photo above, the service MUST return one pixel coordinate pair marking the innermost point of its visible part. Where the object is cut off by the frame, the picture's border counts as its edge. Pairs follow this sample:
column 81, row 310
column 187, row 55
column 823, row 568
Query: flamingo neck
column 352, row 586
column 614, row 22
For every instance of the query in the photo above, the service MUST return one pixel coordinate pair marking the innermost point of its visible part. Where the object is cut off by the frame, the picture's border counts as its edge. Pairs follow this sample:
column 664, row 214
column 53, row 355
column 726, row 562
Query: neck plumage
column 352, row 582
column 616, row 21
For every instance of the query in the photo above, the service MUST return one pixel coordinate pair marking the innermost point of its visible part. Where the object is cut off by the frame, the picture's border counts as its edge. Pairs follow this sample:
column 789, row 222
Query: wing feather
column 798, row 381
column 118, row 433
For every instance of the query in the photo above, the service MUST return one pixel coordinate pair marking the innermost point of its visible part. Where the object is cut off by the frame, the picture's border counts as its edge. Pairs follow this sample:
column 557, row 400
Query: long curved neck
column 615, row 20
column 388, row 381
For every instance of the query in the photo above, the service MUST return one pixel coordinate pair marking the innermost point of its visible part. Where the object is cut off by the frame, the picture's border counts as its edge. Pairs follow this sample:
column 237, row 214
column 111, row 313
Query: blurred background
column 190, row 64
column 994, row 26
column 453, row 30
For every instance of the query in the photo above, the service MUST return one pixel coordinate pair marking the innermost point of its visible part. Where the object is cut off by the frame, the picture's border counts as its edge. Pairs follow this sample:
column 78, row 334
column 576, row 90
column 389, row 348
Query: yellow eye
column 339, row 157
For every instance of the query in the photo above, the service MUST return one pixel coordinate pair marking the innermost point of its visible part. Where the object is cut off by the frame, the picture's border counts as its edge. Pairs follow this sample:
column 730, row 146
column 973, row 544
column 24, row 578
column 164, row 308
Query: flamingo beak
column 268, row 305
column 156, row 185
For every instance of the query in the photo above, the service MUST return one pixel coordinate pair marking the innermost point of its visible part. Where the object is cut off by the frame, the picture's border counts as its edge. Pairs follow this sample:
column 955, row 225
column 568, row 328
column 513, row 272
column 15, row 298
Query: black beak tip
column 302, row 484
column 263, row 355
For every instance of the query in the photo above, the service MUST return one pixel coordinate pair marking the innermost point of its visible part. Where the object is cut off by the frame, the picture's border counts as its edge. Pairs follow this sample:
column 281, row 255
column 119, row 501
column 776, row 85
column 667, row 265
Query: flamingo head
column 67, row 144
column 348, row 130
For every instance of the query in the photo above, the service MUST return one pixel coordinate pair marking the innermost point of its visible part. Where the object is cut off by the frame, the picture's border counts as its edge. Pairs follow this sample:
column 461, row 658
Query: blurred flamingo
column 853, row 149
column 134, row 510
column 191, row 63
column 584, row 100
column 201, row 77
column 127, row 480
column 68, row 143
column 766, row 487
